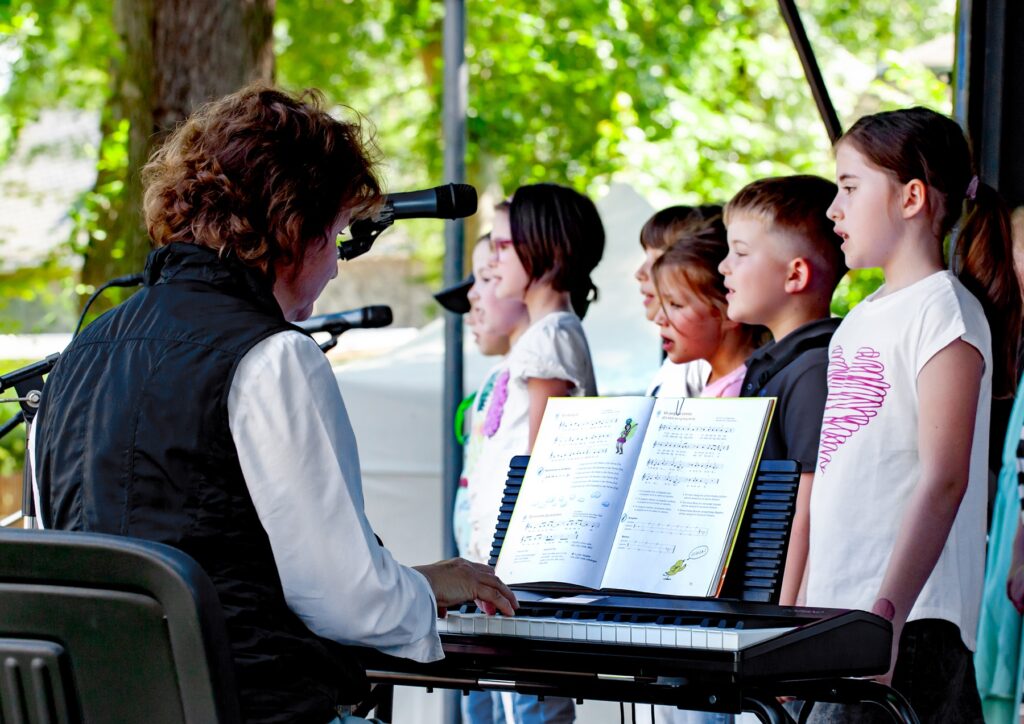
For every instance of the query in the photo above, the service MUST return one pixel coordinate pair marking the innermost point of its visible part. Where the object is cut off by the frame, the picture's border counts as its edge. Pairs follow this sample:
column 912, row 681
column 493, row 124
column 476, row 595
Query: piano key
column 714, row 639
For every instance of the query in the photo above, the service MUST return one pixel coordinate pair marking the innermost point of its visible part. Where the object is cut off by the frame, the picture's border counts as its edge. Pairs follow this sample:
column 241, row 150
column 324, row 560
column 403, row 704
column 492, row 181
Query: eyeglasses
column 499, row 246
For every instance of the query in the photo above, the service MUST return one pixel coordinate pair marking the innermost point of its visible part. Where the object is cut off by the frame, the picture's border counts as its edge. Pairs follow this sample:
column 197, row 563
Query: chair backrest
column 101, row 628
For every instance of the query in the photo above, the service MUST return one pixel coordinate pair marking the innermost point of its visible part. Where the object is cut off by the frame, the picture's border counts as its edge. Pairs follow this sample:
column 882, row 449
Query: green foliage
column 12, row 446
column 686, row 101
column 61, row 53
column 36, row 299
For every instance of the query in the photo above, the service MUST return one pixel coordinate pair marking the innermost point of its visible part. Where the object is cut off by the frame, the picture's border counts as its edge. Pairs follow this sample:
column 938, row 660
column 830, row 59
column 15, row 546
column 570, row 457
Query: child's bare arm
column 948, row 388
column 799, row 541
column 539, row 390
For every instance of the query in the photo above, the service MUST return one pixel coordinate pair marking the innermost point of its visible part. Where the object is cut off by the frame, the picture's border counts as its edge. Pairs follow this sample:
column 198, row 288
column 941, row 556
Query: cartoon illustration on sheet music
column 680, row 565
column 627, row 432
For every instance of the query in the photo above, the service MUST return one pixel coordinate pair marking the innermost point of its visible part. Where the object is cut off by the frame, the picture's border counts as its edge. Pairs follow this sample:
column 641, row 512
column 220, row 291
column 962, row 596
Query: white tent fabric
column 395, row 405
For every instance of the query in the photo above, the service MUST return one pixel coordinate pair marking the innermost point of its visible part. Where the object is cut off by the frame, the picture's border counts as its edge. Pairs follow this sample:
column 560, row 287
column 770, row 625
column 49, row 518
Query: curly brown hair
column 260, row 175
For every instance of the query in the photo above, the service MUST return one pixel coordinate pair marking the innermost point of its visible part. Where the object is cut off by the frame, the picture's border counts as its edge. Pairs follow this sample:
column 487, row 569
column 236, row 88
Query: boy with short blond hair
column 783, row 265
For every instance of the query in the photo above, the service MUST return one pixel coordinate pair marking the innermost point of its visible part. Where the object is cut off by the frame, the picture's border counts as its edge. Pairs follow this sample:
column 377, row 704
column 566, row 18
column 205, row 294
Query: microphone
column 452, row 201
column 378, row 315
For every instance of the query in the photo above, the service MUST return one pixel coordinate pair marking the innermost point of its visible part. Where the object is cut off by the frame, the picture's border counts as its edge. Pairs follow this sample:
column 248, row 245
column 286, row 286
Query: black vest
column 133, row 439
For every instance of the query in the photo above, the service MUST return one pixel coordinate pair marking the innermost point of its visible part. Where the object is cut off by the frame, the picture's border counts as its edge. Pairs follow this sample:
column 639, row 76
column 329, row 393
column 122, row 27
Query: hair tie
column 972, row 188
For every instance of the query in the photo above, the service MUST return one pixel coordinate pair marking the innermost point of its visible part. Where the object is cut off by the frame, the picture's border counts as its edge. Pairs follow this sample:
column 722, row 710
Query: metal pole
column 803, row 48
column 993, row 85
column 454, row 236
column 962, row 62
column 455, row 102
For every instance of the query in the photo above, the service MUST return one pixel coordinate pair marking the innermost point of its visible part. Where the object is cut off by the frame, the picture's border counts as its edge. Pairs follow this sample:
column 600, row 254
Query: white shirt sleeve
column 298, row 454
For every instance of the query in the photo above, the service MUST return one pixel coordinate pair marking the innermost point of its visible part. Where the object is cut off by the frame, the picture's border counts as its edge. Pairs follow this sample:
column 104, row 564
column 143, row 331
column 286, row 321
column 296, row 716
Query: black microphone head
column 456, row 201
column 378, row 315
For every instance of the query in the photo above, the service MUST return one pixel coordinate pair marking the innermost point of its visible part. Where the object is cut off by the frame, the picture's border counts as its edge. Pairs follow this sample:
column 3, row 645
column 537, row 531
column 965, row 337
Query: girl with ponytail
column 545, row 243
column 899, row 498
column 544, row 251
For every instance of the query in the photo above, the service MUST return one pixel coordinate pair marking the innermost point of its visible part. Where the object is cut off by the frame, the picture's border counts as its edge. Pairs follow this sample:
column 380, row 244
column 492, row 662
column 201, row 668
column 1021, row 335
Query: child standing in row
column 695, row 326
column 545, row 243
column 692, row 313
column 657, row 235
column 495, row 324
column 898, row 504
column 783, row 265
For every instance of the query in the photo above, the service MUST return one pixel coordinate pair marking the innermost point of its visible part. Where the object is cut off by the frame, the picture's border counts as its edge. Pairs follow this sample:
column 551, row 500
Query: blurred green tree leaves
column 686, row 101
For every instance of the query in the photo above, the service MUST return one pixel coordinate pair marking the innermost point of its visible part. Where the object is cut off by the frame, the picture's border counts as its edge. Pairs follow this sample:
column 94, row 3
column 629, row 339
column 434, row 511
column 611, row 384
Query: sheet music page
column 697, row 461
column 574, row 489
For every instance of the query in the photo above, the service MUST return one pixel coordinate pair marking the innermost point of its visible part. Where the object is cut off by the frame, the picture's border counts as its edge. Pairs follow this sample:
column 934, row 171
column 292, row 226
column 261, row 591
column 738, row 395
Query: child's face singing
column 755, row 269
column 510, row 277
column 864, row 210
column 643, row 275
column 691, row 329
column 492, row 320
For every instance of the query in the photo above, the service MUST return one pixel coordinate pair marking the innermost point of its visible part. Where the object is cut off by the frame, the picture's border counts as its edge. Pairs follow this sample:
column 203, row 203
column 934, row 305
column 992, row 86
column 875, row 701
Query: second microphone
column 372, row 317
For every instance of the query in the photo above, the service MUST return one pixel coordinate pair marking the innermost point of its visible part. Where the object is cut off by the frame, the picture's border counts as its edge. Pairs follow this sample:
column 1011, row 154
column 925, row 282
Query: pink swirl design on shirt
column 856, row 391
column 494, row 411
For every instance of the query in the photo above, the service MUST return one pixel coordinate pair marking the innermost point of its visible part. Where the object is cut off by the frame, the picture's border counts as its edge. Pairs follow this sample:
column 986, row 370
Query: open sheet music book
column 635, row 493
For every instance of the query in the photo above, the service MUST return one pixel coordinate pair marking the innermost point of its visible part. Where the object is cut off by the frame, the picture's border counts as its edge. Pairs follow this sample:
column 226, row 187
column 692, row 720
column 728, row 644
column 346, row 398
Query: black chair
column 100, row 628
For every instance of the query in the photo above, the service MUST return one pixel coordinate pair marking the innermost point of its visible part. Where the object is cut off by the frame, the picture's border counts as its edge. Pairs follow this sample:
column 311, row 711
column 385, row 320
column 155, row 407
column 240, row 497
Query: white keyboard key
column 714, row 639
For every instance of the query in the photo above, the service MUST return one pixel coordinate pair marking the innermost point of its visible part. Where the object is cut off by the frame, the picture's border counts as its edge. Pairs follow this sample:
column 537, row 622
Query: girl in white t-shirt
column 545, row 243
column 544, row 250
column 897, row 514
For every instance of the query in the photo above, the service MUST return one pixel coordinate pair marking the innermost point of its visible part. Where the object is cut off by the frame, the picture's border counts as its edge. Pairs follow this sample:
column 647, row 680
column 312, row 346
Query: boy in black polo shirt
column 783, row 265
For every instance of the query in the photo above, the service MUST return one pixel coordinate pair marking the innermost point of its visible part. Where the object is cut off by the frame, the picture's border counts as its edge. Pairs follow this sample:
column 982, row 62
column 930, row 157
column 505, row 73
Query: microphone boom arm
column 364, row 233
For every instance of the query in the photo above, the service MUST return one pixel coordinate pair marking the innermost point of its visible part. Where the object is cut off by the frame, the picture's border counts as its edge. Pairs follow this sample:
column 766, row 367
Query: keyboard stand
column 755, row 574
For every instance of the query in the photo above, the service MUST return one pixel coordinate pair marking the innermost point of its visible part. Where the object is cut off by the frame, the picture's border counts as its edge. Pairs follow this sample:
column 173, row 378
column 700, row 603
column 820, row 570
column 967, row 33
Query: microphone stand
column 28, row 384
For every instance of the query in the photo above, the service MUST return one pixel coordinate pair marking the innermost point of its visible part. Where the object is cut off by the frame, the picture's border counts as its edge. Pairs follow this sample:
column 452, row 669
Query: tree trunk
column 175, row 55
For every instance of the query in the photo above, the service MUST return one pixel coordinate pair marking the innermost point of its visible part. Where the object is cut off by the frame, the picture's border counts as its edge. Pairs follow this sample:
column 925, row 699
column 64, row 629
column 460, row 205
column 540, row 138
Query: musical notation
column 580, row 452
column 645, row 545
column 639, row 525
column 621, row 491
